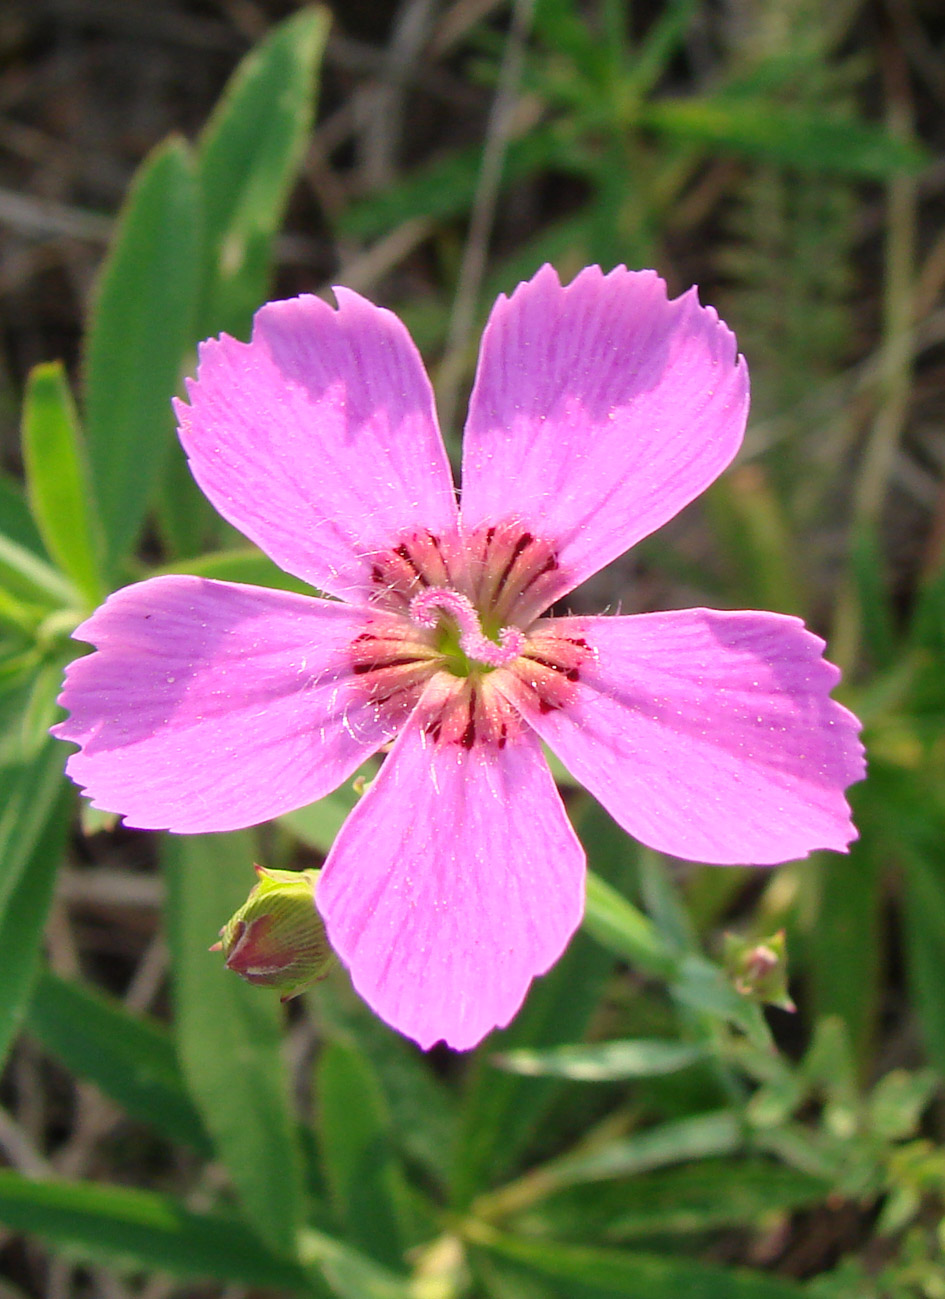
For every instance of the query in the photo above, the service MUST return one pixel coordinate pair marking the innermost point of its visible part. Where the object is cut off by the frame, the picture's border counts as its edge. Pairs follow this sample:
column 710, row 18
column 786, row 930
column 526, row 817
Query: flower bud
column 277, row 938
column 759, row 969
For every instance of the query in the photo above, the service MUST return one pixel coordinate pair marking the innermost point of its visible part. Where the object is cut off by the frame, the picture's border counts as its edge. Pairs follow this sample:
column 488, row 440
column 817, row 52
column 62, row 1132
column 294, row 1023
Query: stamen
column 427, row 605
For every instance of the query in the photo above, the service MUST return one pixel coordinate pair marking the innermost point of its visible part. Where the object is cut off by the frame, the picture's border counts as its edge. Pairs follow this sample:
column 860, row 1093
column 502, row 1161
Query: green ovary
column 455, row 659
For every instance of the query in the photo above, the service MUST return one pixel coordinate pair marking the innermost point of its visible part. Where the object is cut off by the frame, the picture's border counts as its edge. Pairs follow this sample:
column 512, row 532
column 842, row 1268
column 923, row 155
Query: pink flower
column 599, row 411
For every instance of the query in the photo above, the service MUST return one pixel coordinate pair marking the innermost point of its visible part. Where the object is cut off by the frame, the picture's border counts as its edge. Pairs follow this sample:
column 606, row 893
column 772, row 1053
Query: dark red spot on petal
column 373, row 665
column 468, row 737
column 545, row 663
column 406, row 556
column 549, row 566
column 524, row 541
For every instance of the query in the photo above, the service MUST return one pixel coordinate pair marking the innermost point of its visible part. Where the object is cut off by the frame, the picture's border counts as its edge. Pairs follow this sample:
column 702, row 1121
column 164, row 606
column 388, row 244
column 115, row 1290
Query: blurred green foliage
column 637, row 1127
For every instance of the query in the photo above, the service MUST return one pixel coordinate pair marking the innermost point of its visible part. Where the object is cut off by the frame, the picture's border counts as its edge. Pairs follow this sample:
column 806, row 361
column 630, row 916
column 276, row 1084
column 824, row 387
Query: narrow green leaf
column 663, row 900
column 422, row 1107
column 247, row 162
column 618, row 925
column 696, row 983
column 28, row 796
column 23, row 919
column 229, row 1036
column 845, row 940
column 697, row 1197
column 660, row 44
column 18, row 522
column 445, row 187
column 186, row 521
column 697, row 1137
column 25, row 574
column 927, row 628
column 901, row 816
column 601, row 1273
column 138, row 1230
column 704, row 987
column 41, row 707
column 57, row 478
column 499, row 1279
column 350, row 1274
column 17, row 678
column 924, row 940
column 561, row 27
column 130, row 1058
column 898, row 1101
column 877, row 612
column 366, row 1180
column 20, row 619
column 750, row 523
column 30, row 680
column 248, row 159
column 141, row 324
column 604, row 1061
column 806, row 140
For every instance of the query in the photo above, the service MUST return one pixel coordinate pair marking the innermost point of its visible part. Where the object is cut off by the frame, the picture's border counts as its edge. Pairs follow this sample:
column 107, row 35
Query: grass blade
column 615, row 1274
column 130, row 1058
column 57, row 478
column 23, row 919
column 27, row 800
column 604, row 1061
column 366, row 1179
column 141, row 324
column 682, row 1199
column 139, row 1230
column 229, row 1037
column 422, row 1106
column 18, row 522
column 247, row 162
column 792, row 137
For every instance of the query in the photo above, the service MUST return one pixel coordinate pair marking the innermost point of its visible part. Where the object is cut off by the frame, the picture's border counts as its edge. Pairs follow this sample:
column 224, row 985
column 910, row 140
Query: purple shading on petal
column 599, row 410
column 318, row 439
column 709, row 735
column 210, row 706
column 452, row 884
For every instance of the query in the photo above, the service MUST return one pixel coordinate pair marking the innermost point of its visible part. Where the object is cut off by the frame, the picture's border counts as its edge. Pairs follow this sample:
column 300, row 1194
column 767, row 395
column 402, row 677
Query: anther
column 426, row 606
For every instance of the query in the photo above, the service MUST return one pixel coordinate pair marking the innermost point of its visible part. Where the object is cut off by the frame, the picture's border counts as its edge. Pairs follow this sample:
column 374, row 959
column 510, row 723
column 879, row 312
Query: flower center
column 467, row 644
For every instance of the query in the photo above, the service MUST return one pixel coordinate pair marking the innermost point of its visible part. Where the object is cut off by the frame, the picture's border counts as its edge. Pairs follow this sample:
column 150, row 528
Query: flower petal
column 708, row 735
column 210, row 706
column 453, row 883
column 318, row 439
column 599, row 410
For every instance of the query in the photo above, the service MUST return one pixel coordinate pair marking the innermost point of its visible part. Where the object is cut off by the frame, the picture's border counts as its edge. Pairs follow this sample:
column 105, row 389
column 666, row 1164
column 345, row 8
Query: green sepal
column 277, row 938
